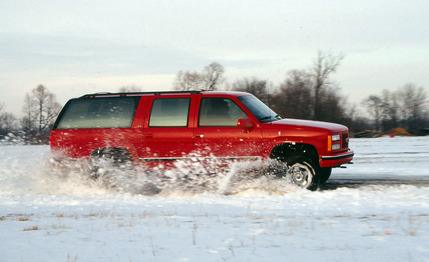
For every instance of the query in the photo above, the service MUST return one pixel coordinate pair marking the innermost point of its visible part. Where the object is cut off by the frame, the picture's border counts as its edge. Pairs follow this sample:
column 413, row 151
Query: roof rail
column 140, row 93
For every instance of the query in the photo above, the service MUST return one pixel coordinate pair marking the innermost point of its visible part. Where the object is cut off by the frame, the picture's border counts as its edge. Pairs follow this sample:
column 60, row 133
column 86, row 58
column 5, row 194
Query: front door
column 217, row 133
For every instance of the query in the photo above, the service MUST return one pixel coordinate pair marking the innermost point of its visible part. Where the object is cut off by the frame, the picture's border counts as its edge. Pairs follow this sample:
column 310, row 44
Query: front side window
column 106, row 112
column 219, row 112
column 169, row 112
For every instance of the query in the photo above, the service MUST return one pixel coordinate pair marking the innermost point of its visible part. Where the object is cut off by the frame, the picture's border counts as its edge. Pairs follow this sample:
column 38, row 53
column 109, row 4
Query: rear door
column 217, row 133
column 168, row 132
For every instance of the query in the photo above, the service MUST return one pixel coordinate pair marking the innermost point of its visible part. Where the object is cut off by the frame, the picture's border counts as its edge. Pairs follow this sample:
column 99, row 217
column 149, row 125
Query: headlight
column 336, row 146
column 334, row 142
column 336, row 138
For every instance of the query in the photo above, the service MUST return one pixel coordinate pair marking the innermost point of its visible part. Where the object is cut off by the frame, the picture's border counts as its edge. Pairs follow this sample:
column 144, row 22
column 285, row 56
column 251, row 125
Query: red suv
column 168, row 126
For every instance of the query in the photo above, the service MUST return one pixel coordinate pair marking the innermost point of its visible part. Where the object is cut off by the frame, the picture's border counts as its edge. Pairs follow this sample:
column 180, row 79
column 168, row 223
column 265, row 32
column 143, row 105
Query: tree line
column 309, row 93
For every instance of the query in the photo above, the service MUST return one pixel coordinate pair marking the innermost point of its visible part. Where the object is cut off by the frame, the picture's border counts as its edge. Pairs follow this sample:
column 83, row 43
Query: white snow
column 48, row 216
column 388, row 157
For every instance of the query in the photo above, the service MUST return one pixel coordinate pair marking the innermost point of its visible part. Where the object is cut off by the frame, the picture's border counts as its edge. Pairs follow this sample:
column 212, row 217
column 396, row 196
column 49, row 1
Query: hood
column 297, row 123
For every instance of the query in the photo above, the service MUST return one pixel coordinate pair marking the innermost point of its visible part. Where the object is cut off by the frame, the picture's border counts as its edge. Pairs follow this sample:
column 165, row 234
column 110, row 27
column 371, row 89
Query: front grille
column 345, row 140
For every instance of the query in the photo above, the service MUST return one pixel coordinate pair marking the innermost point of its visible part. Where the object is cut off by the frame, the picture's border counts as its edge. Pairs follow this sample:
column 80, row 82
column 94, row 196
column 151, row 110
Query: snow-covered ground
column 46, row 216
column 388, row 158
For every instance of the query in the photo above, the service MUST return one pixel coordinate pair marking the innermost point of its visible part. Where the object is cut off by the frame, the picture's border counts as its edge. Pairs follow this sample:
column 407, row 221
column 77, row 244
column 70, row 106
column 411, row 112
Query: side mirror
column 245, row 123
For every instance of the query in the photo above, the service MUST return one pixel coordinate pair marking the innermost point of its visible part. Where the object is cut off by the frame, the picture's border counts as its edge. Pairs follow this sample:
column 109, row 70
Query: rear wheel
column 103, row 160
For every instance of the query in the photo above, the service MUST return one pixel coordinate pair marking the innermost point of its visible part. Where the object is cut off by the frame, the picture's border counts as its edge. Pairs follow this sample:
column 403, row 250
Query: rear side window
column 106, row 112
column 219, row 112
column 169, row 112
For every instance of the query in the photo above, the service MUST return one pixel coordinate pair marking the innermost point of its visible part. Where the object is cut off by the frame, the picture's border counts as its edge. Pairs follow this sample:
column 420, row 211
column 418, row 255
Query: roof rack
column 140, row 93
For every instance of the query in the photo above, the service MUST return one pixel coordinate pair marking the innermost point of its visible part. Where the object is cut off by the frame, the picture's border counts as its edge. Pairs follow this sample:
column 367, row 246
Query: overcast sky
column 80, row 46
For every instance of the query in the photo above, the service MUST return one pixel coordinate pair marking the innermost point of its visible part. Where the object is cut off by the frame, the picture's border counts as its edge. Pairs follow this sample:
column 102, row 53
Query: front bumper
column 336, row 159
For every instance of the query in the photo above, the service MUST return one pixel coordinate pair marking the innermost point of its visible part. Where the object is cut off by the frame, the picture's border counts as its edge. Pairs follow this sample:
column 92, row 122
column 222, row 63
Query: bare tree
column 333, row 105
column 413, row 106
column 406, row 107
column 187, row 80
column 212, row 76
column 28, row 120
column 40, row 110
column 294, row 97
column 310, row 94
column 374, row 106
column 257, row 87
column 8, row 122
column 324, row 65
column 129, row 89
column 208, row 79
column 390, row 110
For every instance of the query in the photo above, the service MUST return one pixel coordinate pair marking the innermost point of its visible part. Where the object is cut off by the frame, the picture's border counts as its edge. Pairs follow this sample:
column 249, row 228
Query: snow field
column 45, row 216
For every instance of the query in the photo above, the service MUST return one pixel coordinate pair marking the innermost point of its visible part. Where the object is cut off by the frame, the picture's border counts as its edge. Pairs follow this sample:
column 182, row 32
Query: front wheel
column 324, row 174
column 302, row 172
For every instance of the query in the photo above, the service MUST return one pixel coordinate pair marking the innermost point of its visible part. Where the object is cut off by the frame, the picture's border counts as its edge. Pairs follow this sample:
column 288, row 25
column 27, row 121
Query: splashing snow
column 36, row 174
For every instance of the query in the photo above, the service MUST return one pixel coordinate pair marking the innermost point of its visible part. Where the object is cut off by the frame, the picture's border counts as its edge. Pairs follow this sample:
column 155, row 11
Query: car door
column 168, row 132
column 217, row 133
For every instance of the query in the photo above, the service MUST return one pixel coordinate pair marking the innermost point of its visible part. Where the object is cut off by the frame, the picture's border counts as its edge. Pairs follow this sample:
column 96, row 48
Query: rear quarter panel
column 80, row 143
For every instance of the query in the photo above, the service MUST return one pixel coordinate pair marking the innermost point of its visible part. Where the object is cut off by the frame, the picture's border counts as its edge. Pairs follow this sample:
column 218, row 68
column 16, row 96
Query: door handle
column 199, row 136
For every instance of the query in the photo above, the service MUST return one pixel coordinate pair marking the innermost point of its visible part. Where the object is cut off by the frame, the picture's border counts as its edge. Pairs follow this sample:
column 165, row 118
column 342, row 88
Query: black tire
column 307, row 166
column 324, row 174
column 112, row 157
column 113, row 169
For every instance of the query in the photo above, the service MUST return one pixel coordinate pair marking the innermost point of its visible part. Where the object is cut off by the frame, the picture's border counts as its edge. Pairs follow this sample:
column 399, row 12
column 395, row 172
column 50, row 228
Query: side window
column 106, row 112
column 169, row 112
column 219, row 112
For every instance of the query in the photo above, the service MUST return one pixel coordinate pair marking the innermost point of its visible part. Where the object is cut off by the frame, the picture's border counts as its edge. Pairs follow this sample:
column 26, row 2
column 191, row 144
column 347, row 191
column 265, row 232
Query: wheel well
column 285, row 151
column 116, row 153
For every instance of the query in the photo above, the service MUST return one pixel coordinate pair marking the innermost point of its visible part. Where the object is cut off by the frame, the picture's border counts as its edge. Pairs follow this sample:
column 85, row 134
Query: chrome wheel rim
column 301, row 175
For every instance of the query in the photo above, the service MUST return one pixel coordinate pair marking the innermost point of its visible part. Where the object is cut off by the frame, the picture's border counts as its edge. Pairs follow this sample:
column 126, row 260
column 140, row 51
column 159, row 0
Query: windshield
column 260, row 110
